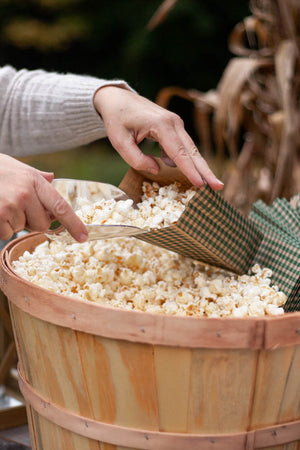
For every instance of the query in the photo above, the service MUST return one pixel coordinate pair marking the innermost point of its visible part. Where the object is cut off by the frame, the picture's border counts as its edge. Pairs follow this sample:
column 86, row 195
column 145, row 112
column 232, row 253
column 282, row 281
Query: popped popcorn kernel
column 134, row 275
column 159, row 207
column 131, row 274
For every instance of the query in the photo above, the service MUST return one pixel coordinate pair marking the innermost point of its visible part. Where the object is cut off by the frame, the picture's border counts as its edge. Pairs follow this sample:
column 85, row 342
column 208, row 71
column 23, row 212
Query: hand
column 28, row 200
column 130, row 118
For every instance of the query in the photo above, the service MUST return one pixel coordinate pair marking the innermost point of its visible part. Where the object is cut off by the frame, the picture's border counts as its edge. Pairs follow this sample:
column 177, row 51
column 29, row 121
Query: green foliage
column 44, row 37
column 110, row 39
column 94, row 162
column 97, row 161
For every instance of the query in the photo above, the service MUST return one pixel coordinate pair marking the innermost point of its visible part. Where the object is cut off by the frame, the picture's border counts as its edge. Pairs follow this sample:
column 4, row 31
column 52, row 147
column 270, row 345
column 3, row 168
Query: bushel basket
column 101, row 378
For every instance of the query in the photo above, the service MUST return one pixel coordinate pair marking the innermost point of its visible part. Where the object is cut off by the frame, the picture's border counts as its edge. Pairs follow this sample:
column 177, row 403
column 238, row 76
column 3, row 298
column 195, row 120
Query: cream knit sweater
column 41, row 112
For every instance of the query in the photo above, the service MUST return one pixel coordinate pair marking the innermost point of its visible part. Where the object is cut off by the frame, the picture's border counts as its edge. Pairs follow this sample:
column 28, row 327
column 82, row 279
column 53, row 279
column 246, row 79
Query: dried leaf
column 255, row 110
column 285, row 64
column 161, row 14
column 205, row 104
column 229, row 115
column 164, row 95
column 266, row 10
column 253, row 32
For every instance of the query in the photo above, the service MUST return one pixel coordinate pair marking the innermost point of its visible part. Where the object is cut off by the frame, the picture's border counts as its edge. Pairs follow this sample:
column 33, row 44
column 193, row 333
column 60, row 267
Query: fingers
column 123, row 141
column 12, row 217
column 17, row 220
column 181, row 149
column 129, row 118
column 37, row 218
column 28, row 200
column 35, row 207
column 193, row 165
column 177, row 149
column 165, row 158
column 199, row 162
column 49, row 176
column 54, row 204
column 6, row 231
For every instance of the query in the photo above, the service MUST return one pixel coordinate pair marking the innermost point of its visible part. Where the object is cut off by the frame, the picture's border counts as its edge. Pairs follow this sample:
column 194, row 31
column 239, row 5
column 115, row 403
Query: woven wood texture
column 222, row 384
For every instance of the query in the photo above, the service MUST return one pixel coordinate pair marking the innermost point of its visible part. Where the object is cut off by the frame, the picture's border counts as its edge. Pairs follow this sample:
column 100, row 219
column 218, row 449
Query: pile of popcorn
column 159, row 207
column 134, row 275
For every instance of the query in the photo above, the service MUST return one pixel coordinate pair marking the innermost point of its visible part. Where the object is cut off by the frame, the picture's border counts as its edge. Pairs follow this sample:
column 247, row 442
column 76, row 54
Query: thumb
column 166, row 159
column 49, row 176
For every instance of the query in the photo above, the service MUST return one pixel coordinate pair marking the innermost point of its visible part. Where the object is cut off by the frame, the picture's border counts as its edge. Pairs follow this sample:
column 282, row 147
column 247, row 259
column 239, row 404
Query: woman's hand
column 130, row 118
column 28, row 200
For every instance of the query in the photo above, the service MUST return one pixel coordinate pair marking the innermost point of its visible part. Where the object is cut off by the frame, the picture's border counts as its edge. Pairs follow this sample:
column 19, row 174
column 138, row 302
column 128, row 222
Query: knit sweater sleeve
column 41, row 112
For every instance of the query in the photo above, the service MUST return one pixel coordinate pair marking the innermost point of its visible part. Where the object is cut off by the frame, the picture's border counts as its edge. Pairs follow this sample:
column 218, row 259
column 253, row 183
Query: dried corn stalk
column 161, row 13
column 253, row 115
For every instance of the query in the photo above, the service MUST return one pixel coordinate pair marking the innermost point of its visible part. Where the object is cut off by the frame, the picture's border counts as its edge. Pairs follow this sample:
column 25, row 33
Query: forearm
column 42, row 112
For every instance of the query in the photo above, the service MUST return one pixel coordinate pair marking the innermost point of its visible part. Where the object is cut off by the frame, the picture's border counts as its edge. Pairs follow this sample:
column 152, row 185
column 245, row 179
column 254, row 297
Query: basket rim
column 265, row 332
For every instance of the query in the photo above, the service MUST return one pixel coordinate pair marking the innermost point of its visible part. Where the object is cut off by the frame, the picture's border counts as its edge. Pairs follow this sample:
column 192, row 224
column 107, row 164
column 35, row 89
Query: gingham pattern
column 280, row 248
column 285, row 215
column 174, row 239
column 295, row 203
column 276, row 217
column 212, row 231
column 293, row 302
column 282, row 256
column 280, row 253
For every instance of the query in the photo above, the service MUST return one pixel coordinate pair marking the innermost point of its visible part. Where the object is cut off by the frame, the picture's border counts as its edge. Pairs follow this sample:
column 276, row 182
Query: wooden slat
column 173, row 373
column 136, row 326
column 4, row 315
column 277, row 389
column 147, row 373
column 221, row 390
column 53, row 366
column 99, row 385
column 133, row 377
column 7, row 361
column 152, row 440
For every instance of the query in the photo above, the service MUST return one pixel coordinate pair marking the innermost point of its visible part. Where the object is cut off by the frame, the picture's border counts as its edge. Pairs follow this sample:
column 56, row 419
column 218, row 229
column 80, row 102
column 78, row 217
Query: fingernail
column 220, row 182
column 82, row 237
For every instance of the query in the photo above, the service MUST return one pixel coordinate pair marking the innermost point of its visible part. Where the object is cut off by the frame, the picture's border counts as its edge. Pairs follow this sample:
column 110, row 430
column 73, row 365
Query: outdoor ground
column 15, row 438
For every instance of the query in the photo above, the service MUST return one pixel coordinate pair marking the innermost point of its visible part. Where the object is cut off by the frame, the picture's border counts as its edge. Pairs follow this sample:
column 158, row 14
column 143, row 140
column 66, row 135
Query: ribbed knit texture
column 42, row 112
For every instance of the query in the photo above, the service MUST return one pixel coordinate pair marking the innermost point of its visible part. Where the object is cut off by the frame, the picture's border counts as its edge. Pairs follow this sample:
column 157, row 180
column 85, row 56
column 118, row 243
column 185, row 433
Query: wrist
column 105, row 93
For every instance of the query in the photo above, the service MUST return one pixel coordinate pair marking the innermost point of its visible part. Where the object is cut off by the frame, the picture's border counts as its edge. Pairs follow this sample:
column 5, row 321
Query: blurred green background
column 110, row 39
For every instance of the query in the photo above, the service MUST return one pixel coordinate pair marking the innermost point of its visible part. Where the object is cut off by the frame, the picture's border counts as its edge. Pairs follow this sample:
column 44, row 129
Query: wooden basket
column 96, row 377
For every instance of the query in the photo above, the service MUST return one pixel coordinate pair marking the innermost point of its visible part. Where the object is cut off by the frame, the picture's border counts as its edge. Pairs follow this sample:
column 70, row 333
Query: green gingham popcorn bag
column 212, row 231
column 280, row 247
column 209, row 230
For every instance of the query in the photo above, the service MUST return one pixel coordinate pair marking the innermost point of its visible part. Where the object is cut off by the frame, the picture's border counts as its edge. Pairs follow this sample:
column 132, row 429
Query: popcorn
column 159, row 207
column 133, row 275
